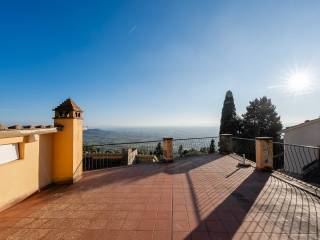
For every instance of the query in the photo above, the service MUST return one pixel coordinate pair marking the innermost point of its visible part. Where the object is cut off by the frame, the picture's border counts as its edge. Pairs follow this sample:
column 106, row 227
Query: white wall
column 294, row 157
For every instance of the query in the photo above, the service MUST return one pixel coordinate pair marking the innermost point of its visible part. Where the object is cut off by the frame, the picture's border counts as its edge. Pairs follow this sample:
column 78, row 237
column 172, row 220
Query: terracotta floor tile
column 100, row 234
column 180, row 215
column 149, row 215
column 259, row 236
column 200, row 236
column 181, row 226
column 249, row 227
column 181, row 235
column 138, row 207
column 163, row 225
column 53, row 223
column 196, row 226
column 8, row 222
column 197, row 198
column 164, row 207
column 162, row 235
column 147, row 225
column 222, row 236
column 29, row 234
column 134, row 215
column 143, row 235
column 151, row 207
column 99, row 223
column 115, row 225
column 216, row 226
column 130, row 225
column 230, row 225
column 240, row 235
column 164, row 215
column 6, row 232
column 120, row 215
column 126, row 235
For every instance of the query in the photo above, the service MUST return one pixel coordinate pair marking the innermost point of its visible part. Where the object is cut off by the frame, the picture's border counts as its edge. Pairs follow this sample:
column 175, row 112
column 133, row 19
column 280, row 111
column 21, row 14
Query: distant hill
column 114, row 135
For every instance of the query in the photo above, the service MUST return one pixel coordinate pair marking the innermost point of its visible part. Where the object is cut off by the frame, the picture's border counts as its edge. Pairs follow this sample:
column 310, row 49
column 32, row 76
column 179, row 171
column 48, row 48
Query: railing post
column 132, row 155
column 168, row 149
column 264, row 153
column 225, row 143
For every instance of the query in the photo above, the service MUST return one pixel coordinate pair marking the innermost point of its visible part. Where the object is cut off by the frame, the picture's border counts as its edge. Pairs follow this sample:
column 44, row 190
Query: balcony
column 197, row 197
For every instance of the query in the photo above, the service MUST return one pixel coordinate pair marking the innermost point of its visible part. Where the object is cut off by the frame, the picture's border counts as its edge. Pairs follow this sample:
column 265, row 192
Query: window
column 9, row 152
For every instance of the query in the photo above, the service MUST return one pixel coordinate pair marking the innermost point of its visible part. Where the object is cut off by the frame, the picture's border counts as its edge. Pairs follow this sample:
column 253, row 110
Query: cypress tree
column 230, row 122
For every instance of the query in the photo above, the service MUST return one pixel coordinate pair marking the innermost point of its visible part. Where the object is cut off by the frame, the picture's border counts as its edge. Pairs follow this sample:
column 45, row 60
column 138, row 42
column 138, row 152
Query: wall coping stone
column 8, row 133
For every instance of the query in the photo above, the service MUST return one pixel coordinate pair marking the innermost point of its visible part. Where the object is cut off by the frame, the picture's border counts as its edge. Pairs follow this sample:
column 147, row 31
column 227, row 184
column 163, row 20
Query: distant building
column 298, row 160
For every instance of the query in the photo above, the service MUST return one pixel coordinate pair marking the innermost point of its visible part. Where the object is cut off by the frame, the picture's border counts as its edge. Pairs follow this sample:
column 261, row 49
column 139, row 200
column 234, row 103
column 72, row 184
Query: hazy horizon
column 98, row 135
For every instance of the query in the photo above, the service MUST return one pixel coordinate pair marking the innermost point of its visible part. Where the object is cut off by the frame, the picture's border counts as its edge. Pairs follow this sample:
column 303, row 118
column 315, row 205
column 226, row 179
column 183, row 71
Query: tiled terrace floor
column 198, row 198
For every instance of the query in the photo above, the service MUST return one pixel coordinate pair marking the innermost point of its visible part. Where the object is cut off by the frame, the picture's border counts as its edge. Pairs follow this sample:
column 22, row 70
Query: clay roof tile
column 68, row 105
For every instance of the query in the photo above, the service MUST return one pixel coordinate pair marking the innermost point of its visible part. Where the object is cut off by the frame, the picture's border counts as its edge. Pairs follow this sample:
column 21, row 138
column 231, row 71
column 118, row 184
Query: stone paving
column 201, row 198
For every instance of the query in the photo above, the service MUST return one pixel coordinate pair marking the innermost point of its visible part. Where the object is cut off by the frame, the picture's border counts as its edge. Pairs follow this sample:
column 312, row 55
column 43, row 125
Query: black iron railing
column 298, row 161
column 119, row 154
column 183, row 147
column 245, row 147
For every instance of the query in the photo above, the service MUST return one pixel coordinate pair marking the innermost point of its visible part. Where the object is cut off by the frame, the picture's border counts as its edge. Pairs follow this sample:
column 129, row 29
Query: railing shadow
column 224, row 220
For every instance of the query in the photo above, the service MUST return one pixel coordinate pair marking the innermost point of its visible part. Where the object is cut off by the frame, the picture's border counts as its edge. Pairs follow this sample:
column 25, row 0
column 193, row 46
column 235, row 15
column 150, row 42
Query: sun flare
column 299, row 81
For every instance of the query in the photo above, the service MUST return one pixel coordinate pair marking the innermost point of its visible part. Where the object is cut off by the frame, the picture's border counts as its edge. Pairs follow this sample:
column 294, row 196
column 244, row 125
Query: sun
column 299, row 81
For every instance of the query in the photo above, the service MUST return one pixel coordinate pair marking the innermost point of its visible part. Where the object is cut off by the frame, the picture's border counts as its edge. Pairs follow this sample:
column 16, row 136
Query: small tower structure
column 68, row 141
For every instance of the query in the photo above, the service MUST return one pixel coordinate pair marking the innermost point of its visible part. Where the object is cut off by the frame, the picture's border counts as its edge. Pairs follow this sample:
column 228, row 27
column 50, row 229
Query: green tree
column 230, row 122
column 261, row 120
column 212, row 148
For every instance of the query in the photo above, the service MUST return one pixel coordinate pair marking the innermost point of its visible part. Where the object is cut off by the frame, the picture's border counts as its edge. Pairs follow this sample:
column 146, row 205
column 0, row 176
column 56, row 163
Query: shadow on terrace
column 140, row 172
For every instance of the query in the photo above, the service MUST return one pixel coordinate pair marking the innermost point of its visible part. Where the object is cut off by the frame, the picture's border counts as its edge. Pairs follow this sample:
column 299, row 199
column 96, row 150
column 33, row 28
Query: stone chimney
column 67, row 159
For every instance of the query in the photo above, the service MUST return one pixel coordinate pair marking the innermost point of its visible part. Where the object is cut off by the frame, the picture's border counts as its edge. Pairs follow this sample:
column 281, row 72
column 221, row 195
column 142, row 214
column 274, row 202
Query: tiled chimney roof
column 68, row 105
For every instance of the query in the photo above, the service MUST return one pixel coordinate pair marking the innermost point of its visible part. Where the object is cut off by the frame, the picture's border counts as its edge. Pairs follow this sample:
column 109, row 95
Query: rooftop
column 68, row 105
column 305, row 123
column 204, row 197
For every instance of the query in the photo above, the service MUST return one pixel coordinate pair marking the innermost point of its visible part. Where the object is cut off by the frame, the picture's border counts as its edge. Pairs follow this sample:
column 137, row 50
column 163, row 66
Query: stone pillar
column 264, row 153
column 225, row 143
column 132, row 154
column 168, row 149
column 68, row 143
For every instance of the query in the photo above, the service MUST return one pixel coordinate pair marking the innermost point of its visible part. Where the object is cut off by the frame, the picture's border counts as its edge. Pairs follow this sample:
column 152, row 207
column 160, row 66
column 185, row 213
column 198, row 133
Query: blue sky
column 156, row 63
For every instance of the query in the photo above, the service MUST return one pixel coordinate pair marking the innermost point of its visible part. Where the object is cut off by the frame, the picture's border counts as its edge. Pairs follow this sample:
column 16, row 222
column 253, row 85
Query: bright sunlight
column 299, row 80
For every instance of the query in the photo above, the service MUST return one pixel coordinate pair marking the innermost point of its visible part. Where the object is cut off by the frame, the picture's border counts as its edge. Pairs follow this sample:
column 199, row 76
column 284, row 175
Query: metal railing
column 245, row 147
column 298, row 161
column 183, row 147
column 119, row 154
column 107, row 155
